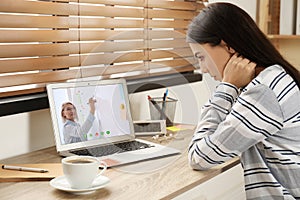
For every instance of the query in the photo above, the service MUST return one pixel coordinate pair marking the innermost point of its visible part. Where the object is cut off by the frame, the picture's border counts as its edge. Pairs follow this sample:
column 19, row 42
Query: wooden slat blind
column 46, row 41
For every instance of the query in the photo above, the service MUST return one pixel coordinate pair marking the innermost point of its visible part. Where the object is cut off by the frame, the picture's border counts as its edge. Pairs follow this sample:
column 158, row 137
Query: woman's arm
column 229, row 128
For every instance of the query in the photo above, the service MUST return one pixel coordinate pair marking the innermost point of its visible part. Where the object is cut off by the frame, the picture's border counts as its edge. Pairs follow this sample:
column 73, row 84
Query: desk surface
column 156, row 179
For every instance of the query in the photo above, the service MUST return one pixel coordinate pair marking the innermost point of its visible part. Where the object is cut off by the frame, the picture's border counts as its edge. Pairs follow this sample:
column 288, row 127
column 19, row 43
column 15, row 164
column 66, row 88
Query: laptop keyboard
column 112, row 149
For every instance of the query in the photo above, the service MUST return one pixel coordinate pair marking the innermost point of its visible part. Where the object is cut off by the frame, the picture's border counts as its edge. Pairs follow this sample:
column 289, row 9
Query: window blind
column 53, row 41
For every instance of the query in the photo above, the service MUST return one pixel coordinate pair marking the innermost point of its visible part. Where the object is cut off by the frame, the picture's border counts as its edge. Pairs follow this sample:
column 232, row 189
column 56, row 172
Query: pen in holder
column 162, row 109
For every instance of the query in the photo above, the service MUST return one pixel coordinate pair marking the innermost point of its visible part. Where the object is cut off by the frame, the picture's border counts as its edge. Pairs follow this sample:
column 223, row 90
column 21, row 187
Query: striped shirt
column 261, row 125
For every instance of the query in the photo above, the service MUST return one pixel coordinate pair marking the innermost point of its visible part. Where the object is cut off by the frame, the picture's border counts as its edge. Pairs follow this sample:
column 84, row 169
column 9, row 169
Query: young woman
column 73, row 131
column 255, row 111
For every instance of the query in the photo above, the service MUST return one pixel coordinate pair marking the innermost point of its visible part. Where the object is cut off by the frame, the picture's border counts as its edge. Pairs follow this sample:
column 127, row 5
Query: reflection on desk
column 163, row 178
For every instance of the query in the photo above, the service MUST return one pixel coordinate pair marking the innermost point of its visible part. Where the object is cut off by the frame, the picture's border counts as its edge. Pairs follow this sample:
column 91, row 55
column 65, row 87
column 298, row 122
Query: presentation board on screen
column 109, row 118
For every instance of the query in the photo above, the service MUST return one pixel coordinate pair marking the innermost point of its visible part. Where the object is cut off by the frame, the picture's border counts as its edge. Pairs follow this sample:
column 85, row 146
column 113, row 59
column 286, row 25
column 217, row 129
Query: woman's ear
column 230, row 50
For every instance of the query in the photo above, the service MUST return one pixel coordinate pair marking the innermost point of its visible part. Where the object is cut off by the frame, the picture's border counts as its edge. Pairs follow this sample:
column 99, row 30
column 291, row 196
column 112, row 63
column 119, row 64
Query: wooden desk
column 157, row 179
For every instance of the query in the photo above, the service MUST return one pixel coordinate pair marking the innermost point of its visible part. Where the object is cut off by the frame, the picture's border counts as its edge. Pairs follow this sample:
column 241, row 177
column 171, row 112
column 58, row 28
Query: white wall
column 25, row 132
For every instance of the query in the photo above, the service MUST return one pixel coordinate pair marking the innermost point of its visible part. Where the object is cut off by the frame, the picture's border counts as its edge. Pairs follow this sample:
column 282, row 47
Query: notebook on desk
column 94, row 118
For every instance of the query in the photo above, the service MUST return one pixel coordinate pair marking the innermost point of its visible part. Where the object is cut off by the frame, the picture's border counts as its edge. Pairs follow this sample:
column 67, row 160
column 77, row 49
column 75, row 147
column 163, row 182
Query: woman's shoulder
column 275, row 84
column 268, row 75
column 276, row 78
column 69, row 123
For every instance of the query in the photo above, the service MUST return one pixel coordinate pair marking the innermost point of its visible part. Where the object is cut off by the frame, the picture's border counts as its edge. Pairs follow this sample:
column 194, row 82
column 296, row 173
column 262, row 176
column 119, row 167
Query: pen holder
column 163, row 110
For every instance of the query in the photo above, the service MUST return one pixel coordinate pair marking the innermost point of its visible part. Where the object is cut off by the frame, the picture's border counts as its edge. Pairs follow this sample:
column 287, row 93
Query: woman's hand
column 239, row 71
column 92, row 102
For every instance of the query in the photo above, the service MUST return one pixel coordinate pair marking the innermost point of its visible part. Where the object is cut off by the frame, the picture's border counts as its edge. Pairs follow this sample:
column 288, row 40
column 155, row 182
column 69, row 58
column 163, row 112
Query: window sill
column 27, row 103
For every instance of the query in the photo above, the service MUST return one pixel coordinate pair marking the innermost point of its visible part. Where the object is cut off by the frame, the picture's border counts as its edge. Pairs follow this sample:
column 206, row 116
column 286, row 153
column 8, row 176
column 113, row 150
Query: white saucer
column 61, row 183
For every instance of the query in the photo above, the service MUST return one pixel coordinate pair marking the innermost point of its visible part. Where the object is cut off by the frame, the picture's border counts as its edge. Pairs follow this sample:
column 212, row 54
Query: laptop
column 93, row 118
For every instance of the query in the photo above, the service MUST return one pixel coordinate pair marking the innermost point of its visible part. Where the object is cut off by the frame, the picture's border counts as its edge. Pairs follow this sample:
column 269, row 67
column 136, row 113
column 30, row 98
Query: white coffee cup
column 81, row 171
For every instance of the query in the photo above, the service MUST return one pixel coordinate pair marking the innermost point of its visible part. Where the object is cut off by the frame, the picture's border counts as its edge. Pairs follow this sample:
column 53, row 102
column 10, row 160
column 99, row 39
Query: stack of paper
column 287, row 17
column 298, row 18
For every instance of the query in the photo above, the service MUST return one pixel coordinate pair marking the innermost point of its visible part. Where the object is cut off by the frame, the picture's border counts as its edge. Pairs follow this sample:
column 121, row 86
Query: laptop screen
column 90, row 113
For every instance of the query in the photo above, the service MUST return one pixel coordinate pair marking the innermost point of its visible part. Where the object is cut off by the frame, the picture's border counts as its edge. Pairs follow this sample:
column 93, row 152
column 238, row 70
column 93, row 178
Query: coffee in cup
column 80, row 161
column 81, row 171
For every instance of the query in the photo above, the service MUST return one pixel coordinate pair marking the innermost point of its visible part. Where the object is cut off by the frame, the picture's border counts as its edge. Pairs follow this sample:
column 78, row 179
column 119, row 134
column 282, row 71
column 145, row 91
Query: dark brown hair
column 227, row 22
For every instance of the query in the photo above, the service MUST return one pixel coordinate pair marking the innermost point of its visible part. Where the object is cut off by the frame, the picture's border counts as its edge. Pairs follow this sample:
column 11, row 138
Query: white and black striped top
column 261, row 124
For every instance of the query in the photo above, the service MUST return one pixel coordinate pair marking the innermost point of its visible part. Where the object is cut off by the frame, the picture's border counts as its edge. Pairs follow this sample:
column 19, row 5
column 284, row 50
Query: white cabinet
column 228, row 185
